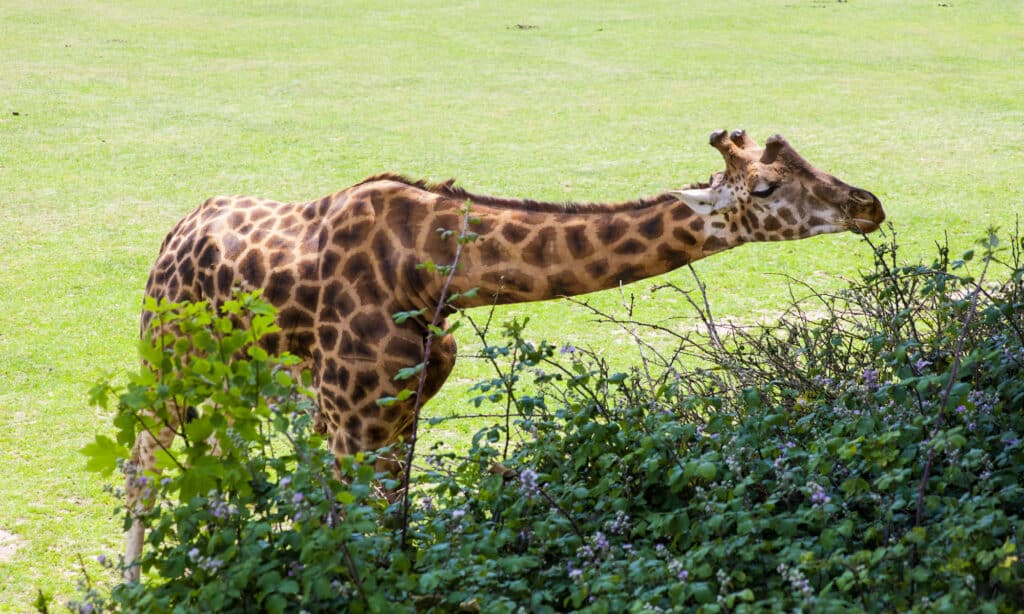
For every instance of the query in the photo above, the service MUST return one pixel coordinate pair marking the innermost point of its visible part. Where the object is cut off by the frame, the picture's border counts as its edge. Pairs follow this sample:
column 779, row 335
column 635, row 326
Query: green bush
column 263, row 523
column 861, row 453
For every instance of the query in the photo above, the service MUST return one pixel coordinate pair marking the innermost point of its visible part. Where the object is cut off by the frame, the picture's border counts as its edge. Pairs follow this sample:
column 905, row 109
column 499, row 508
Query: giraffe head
column 772, row 193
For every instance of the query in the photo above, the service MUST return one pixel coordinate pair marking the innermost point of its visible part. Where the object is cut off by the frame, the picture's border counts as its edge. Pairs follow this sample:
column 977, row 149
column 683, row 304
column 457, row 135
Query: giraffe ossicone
column 338, row 267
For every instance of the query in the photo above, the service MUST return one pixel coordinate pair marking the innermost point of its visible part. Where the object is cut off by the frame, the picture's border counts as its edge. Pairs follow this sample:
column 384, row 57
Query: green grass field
column 117, row 118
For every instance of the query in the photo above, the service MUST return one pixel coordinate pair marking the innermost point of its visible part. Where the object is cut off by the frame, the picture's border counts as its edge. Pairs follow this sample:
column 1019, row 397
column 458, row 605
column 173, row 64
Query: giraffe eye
column 765, row 191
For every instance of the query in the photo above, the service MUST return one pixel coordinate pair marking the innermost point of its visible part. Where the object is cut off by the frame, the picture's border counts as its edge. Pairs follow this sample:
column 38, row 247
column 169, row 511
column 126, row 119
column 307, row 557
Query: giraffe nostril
column 864, row 198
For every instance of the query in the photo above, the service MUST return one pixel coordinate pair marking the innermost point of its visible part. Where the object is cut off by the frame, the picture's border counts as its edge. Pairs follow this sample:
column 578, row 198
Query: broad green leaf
column 103, row 454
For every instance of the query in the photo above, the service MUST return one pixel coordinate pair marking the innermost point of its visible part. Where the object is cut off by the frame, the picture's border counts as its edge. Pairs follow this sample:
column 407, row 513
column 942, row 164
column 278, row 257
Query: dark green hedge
column 862, row 453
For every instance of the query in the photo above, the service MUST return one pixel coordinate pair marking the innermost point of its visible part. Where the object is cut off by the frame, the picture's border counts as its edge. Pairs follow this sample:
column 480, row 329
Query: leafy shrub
column 249, row 511
column 862, row 453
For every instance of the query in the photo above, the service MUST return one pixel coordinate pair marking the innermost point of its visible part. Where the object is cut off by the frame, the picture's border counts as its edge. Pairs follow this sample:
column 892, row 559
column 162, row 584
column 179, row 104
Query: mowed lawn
column 117, row 118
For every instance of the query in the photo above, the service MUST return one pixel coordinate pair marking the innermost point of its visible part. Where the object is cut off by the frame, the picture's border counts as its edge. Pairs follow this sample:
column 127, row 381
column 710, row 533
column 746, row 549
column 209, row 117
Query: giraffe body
column 337, row 268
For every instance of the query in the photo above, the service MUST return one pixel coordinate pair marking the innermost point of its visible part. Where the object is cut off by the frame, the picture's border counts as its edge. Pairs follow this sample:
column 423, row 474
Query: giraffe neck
column 536, row 252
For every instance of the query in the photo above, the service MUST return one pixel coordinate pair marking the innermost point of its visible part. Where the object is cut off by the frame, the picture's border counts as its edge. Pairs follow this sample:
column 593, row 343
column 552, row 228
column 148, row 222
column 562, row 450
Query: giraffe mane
column 448, row 189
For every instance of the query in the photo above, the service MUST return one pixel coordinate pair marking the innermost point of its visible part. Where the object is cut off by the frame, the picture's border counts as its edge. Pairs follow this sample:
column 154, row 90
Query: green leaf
column 702, row 592
column 852, row 486
column 275, row 604
column 402, row 316
column 103, row 454
column 257, row 353
column 402, row 395
column 284, row 379
column 201, row 476
column 707, row 470
column 408, row 372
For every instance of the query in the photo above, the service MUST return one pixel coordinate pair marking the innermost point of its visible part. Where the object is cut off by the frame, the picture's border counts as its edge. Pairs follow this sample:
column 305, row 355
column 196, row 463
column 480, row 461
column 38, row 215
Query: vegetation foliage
column 864, row 452
column 118, row 118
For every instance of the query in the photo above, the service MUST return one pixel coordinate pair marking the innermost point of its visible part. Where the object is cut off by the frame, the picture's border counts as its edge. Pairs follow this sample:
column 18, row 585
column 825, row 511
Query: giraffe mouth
column 863, row 226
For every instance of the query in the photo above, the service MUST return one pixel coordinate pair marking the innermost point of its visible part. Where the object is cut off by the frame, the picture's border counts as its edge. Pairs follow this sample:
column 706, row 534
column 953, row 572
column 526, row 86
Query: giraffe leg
column 138, row 473
column 402, row 421
column 141, row 468
column 349, row 391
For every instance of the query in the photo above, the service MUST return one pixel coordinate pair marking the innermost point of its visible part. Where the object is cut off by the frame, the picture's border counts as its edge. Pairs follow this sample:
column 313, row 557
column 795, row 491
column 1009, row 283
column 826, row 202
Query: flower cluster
column 528, row 484
column 796, row 580
column 819, row 497
column 869, row 379
column 983, row 402
column 206, row 563
column 597, row 547
column 219, row 508
column 618, row 525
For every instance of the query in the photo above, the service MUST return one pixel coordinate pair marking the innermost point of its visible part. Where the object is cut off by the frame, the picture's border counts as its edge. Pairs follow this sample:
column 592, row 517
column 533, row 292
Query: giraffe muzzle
column 866, row 213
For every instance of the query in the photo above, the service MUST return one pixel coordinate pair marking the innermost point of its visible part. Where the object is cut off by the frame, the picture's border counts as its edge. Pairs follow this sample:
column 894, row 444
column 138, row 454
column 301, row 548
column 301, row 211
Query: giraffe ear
column 701, row 200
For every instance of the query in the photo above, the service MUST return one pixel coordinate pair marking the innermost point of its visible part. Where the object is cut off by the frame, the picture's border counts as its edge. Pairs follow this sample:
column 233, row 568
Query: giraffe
column 337, row 268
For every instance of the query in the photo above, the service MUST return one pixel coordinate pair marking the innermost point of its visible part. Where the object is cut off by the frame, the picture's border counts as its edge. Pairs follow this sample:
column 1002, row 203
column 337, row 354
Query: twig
column 510, row 395
column 880, row 258
column 442, row 304
column 333, row 517
column 953, row 373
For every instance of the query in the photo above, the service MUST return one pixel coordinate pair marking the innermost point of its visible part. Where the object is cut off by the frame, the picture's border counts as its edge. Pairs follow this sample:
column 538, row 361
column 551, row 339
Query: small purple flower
column 285, row 481
column 575, row 573
column 101, row 559
column 193, row 554
column 921, row 364
column 86, row 608
column 567, row 349
column 683, row 575
column 961, row 409
column 600, row 541
column 298, row 498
